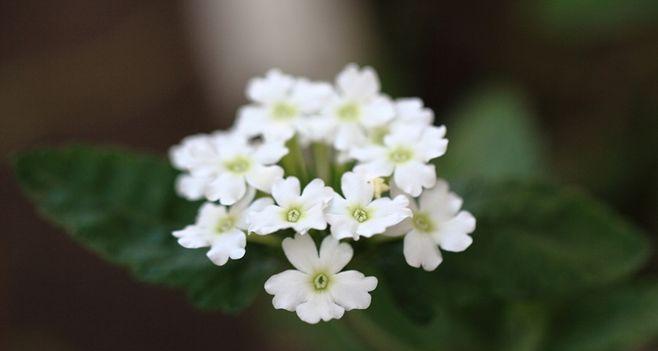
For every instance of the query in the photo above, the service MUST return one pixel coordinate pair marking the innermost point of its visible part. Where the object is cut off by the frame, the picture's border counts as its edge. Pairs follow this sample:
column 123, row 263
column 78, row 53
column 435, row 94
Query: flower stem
column 267, row 240
column 297, row 161
column 322, row 161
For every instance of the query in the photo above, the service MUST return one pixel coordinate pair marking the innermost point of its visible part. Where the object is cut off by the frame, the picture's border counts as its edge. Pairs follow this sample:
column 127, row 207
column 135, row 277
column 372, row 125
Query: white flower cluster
column 266, row 179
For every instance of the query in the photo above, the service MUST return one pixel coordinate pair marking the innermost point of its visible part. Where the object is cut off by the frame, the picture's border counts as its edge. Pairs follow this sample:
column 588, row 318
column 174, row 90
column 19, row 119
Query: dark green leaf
column 493, row 136
column 123, row 207
column 623, row 318
column 537, row 240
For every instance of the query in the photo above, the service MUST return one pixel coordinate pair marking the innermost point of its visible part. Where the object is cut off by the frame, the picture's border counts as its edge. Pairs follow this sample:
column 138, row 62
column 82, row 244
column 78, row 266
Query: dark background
column 128, row 72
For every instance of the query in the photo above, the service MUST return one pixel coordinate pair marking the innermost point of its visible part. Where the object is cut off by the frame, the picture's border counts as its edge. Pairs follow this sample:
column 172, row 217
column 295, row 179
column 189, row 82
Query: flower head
column 405, row 154
column 281, row 105
column 317, row 289
column 437, row 222
column 356, row 107
column 356, row 214
column 294, row 209
column 220, row 228
column 222, row 165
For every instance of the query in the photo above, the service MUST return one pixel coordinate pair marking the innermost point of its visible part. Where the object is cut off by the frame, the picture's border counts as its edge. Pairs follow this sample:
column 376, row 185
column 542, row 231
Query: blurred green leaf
column 493, row 136
column 623, row 318
column 591, row 18
column 123, row 207
column 524, row 326
column 537, row 240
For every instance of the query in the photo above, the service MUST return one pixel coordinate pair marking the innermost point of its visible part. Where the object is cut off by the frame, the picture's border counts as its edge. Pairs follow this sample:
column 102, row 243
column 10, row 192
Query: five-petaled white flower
column 357, row 107
column 282, row 105
column 221, row 229
column 317, row 289
column 408, row 111
column 436, row 221
column 221, row 166
column 405, row 154
column 356, row 214
column 294, row 209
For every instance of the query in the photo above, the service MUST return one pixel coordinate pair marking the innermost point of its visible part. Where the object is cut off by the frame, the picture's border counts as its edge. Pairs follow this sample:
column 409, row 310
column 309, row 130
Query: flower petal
column 319, row 307
column 227, row 245
column 316, row 192
column 377, row 113
column 350, row 289
column 453, row 234
column 263, row 177
column 228, row 188
column 335, row 255
column 256, row 206
column 290, row 288
column 413, row 176
column 432, row 143
column 313, row 218
column 190, row 187
column 267, row 221
column 356, row 188
column 301, row 252
column 285, row 191
column 420, row 250
column 270, row 152
column 192, row 237
column 358, row 84
column 377, row 168
column 385, row 213
column 209, row 214
column 274, row 86
column 440, row 202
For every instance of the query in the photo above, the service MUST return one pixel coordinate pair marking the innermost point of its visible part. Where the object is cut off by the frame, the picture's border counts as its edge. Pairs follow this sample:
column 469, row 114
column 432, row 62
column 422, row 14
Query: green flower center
column 401, row 155
column 225, row 224
column 293, row 215
column 283, row 110
column 422, row 222
column 349, row 112
column 378, row 134
column 240, row 164
column 360, row 214
column 320, row 281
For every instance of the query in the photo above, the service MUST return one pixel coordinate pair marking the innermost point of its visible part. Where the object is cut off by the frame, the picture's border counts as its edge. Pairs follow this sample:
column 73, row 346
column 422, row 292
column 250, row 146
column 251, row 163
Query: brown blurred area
column 123, row 72
column 107, row 72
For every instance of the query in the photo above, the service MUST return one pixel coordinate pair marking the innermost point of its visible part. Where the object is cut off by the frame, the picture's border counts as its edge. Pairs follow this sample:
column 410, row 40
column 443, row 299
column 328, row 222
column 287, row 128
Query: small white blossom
column 437, row 221
column 281, row 105
column 220, row 166
column 356, row 214
column 405, row 153
column 408, row 111
column 357, row 107
column 220, row 228
column 317, row 289
column 294, row 209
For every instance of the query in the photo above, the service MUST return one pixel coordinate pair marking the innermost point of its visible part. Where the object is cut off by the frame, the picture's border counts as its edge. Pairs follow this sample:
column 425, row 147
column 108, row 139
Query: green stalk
column 267, row 240
column 322, row 161
column 297, row 162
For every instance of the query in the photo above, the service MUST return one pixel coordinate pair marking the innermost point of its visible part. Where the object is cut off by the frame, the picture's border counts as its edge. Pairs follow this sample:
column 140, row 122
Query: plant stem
column 298, row 162
column 267, row 240
column 322, row 161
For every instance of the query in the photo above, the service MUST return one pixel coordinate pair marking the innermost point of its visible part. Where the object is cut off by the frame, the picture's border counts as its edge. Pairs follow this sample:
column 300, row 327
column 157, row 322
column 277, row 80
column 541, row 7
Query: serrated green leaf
column 536, row 240
column 493, row 136
column 621, row 318
column 123, row 207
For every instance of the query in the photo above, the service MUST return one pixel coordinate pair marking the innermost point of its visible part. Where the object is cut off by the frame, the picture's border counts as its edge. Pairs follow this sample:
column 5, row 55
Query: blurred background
column 144, row 74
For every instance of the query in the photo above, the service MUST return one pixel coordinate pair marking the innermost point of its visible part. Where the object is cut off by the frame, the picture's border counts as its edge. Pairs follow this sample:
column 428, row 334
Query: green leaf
column 123, row 207
column 590, row 19
column 493, row 136
column 536, row 240
column 524, row 326
column 623, row 318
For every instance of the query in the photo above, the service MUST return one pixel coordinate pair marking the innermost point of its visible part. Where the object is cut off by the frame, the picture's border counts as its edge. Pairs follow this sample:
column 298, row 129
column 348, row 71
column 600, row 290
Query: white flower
column 317, row 289
column 408, row 111
column 221, row 165
column 436, row 221
column 294, row 209
column 358, row 215
column 357, row 107
column 221, row 229
column 405, row 154
column 281, row 105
